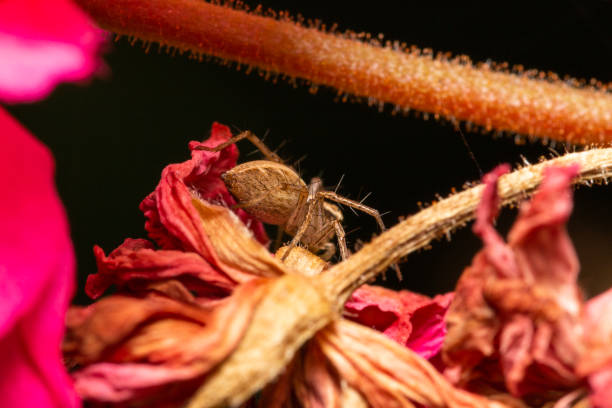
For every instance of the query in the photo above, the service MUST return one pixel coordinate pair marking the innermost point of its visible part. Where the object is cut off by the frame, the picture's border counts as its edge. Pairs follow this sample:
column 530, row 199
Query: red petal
column 410, row 319
column 135, row 260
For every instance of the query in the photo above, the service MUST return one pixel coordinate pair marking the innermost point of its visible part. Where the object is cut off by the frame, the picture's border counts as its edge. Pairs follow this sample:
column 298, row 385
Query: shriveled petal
column 43, row 43
column 189, row 211
column 120, row 384
column 313, row 382
column 498, row 254
column 520, row 302
column 135, row 261
column 409, row 318
column 236, row 253
column 387, row 374
column 171, row 219
column 542, row 248
column 596, row 360
column 36, row 274
column 600, row 383
column 160, row 343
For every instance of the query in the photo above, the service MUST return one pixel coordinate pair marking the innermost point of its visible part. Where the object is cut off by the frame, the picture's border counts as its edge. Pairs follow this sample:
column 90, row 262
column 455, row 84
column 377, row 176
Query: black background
column 112, row 137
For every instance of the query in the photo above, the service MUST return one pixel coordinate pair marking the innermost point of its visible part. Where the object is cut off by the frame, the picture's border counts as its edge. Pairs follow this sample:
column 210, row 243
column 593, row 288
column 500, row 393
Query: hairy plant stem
column 446, row 215
column 392, row 74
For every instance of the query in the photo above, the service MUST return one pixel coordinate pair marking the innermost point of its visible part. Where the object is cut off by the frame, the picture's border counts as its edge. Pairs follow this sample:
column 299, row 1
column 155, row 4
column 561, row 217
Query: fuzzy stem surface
column 455, row 89
column 448, row 214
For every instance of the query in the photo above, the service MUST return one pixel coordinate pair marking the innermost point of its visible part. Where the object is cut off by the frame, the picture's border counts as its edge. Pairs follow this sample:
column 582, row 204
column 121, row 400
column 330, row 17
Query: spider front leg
column 330, row 195
column 259, row 144
column 312, row 205
column 341, row 237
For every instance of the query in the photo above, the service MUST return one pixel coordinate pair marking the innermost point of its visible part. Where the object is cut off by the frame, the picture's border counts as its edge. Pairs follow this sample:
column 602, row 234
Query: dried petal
column 387, row 374
column 204, row 244
column 159, row 343
column 136, row 261
column 601, row 388
column 597, row 333
column 410, row 319
column 171, row 219
column 312, row 382
column 520, row 301
column 596, row 361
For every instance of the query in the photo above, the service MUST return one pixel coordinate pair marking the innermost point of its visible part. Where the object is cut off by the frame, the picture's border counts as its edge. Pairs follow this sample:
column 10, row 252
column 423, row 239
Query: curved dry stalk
column 545, row 107
column 446, row 215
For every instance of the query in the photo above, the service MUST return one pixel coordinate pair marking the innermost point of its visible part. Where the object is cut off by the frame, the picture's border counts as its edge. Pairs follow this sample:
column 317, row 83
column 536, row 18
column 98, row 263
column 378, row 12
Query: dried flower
column 517, row 307
column 188, row 251
column 173, row 323
column 157, row 341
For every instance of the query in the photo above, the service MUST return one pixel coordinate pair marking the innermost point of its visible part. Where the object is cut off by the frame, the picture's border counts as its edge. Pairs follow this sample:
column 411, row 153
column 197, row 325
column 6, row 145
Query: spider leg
column 329, row 248
column 341, row 237
column 269, row 154
column 312, row 204
column 330, row 195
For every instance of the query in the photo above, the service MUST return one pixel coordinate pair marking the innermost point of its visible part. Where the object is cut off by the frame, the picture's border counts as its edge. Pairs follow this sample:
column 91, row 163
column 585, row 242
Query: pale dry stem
column 445, row 216
column 292, row 311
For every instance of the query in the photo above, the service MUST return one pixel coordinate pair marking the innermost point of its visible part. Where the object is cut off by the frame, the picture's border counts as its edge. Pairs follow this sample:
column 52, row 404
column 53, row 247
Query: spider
column 275, row 194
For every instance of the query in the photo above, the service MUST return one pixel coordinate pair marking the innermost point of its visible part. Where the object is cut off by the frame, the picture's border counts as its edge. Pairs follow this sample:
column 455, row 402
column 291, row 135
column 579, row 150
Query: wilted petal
column 135, row 262
column 542, row 248
column 171, row 219
column 36, row 274
column 43, row 43
column 519, row 303
column 236, row 253
column 160, row 343
column 600, row 383
column 387, row 374
column 189, row 211
column 409, row 318
column 312, row 382
column 596, row 361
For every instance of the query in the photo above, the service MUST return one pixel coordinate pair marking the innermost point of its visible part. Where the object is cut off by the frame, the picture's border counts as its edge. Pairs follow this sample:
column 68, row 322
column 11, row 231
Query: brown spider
column 275, row 194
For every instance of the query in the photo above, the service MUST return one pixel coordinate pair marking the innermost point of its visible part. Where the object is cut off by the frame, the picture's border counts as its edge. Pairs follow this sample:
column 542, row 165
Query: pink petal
column 409, row 318
column 518, row 304
column 601, row 386
column 119, row 382
column 36, row 274
column 43, row 43
column 543, row 250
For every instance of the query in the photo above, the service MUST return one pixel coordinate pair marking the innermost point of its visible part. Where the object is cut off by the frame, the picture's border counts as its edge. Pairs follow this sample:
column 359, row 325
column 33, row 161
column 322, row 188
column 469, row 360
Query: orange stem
column 456, row 90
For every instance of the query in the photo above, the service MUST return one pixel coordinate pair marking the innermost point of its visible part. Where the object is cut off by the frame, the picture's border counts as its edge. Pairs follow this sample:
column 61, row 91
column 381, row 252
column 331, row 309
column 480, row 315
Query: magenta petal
column 36, row 274
column 43, row 43
column 601, row 386
column 409, row 318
